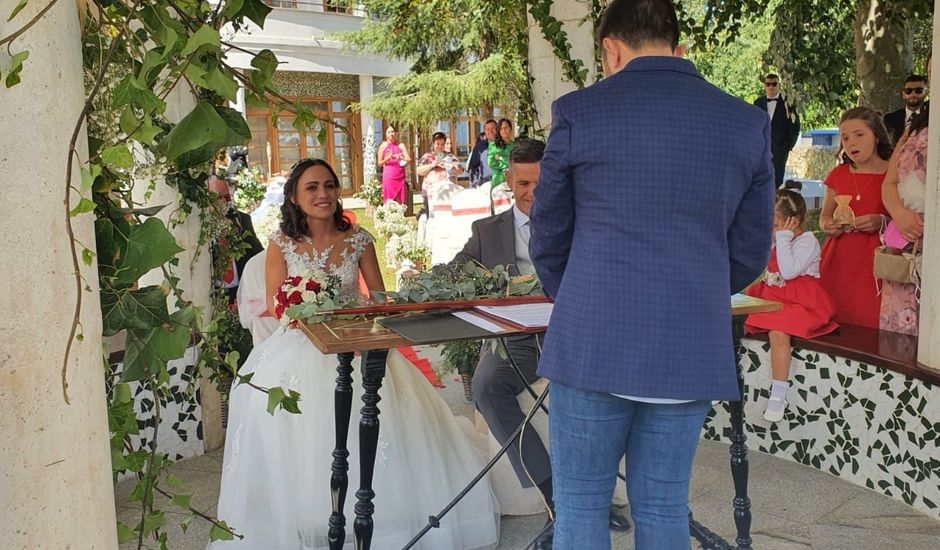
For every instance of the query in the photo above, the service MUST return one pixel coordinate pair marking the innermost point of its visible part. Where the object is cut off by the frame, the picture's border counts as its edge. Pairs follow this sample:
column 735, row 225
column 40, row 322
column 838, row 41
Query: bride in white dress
column 276, row 472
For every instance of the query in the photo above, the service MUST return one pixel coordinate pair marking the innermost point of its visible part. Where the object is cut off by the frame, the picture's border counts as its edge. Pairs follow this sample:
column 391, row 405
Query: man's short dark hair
column 916, row 78
column 527, row 151
column 639, row 23
column 489, row 121
column 437, row 136
column 771, row 75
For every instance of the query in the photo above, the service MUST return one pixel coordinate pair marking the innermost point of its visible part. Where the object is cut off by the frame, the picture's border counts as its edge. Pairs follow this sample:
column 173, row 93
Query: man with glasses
column 914, row 94
column 784, row 124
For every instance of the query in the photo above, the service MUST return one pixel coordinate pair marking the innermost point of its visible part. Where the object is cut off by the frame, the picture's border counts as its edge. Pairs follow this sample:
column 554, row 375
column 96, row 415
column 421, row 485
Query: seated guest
column 792, row 278
column 435, row 166
column 503, row 239
column 242, row 222
column 848, row 255
column 478, row 165
column 914, row 93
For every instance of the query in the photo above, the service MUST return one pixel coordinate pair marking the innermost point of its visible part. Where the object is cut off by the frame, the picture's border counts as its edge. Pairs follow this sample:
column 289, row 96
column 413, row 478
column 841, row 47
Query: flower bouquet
column 303, row 297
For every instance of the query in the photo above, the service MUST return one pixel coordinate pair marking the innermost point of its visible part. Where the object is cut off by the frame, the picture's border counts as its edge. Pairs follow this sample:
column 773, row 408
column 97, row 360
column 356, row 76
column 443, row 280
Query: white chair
column 502, row 198
column 252, row 301
column 440, row 196
column 447, row 235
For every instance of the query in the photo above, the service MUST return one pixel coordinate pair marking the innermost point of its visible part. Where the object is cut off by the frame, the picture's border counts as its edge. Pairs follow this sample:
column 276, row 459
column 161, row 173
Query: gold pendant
column 858, row 197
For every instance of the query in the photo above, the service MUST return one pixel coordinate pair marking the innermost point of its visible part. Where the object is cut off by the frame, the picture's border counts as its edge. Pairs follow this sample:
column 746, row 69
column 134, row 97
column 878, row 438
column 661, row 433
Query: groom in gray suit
column 503, row 239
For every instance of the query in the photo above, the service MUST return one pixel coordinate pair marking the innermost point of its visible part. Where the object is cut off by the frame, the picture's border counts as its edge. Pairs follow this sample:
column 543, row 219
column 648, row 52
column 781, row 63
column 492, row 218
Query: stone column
column 928, row 350
column 369, row 140
column 55, row 463
column 549, row 81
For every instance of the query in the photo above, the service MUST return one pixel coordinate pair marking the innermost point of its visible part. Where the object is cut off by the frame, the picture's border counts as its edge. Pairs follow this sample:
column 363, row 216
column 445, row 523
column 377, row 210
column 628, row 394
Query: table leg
column 373, row 370
column 739, row 463
column 339, row 481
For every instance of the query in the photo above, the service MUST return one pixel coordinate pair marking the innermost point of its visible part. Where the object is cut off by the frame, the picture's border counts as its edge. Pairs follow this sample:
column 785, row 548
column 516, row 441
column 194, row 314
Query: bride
column 276, row 469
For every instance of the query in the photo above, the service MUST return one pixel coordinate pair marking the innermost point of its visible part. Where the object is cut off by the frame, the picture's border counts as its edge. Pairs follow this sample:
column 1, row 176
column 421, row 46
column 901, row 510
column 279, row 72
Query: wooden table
column 346, row 337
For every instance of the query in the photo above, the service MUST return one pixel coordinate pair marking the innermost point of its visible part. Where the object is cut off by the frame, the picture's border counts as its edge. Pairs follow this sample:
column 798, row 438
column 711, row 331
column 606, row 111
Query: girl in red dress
column 848, row 255
column 792, row 278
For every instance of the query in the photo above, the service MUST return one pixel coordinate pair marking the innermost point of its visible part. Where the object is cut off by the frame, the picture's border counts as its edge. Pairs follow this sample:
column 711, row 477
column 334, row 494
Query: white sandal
column 774, row 414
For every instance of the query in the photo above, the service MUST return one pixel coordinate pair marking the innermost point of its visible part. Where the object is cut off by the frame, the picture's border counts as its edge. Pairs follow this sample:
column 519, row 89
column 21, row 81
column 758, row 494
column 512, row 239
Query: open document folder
column 521, row 316
column 479, row 322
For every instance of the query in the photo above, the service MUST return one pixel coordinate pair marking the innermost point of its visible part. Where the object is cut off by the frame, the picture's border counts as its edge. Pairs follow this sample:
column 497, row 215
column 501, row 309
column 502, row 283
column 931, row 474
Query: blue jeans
column 589, row 433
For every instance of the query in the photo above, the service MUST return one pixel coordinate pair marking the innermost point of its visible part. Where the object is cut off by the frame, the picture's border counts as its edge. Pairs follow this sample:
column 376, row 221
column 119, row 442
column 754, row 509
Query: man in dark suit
column 641, row 232
column 784, row 124
column 914, row 93
column 478, row 166
column 242, row 222
column 503, row 239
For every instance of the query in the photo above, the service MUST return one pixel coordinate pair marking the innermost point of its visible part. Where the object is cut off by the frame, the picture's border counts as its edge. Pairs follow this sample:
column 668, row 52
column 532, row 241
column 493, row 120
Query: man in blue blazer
column 655, row 204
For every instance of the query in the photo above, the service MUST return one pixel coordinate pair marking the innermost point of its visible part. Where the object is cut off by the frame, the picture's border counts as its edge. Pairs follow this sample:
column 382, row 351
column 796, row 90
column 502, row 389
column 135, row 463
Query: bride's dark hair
column 293, row 219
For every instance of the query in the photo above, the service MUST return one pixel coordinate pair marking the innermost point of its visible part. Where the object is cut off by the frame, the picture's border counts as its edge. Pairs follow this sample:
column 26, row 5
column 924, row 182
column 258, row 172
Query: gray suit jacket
column 492, row 242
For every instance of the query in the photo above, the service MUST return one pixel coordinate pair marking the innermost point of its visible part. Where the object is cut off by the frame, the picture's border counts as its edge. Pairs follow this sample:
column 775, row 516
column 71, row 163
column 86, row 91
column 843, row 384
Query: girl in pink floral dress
column 903, row 193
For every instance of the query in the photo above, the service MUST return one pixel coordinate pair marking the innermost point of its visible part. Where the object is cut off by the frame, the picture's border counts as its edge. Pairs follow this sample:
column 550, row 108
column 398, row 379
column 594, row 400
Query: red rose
column 295, row 280
column 294, row 298
column 278, row 311
column 281, row 296
column 313, row 285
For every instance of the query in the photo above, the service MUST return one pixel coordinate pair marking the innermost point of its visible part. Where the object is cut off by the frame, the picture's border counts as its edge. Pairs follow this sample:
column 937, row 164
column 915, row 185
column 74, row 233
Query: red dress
column 807, row 308
column 847, row 264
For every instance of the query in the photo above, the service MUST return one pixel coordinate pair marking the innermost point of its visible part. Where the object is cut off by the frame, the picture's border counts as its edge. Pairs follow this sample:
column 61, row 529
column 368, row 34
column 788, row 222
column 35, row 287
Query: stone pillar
column 549, row 81
column 55, row 462
column 370, row 141
column 194, row 269
column 928, row 350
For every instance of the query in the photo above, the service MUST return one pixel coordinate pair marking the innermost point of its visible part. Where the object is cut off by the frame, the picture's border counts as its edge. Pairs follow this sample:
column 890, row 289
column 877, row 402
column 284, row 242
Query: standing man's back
column 656, row 204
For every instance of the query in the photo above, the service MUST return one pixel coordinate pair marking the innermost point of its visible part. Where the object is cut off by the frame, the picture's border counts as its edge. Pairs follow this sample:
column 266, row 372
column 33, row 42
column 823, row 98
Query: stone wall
column 300, row 84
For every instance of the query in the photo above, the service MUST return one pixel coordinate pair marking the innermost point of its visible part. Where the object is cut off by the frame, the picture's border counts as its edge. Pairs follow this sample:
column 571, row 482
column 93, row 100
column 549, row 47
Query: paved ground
column 794, row 507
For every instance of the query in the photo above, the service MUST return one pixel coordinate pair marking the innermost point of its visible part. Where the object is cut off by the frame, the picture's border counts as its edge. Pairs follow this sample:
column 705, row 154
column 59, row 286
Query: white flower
column 309, row 296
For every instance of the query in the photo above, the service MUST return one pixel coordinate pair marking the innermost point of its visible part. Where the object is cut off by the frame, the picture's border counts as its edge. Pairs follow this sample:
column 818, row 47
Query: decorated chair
column 447, row 236
column 252, row 302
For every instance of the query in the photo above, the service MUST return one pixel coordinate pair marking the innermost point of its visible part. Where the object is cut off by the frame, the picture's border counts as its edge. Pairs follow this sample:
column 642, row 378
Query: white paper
column 526, row 315
column 476, row 320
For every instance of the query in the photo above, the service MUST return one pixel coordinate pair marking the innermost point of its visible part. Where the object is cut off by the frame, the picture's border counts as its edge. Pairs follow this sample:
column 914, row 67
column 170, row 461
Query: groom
column 641, row 231
column 503, row 239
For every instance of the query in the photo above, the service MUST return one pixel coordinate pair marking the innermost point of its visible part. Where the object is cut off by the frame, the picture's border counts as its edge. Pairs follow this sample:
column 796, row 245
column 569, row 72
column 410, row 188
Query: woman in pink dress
column 393, row 158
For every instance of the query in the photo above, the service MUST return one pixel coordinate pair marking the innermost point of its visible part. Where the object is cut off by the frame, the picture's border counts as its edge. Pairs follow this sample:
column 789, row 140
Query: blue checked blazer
column 654, row 205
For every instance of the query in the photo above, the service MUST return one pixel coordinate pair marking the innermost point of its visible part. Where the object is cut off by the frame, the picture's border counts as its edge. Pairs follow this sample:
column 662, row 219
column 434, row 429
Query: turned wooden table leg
column 373, row 370
column 739, row 463
column 339, row 480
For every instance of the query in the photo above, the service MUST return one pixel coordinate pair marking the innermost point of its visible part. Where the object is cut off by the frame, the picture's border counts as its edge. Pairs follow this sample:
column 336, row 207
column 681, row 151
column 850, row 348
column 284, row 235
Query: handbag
column 898, row 266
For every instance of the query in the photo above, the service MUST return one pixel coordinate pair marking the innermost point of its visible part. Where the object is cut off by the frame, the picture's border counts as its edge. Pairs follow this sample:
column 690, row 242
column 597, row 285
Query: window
column 290, row 4
column 338, row 6
column 334, row 137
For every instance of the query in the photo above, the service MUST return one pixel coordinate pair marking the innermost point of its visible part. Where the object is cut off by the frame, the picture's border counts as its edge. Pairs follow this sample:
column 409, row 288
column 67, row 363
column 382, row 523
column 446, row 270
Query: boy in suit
column 784, row 124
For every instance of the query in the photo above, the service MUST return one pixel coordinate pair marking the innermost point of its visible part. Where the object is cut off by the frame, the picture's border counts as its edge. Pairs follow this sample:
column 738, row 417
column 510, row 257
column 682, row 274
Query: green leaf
column 117, row 156
column 254, row 10
column 237, row 131
column 275, row 396
column 87, row 256
column 125, row 533
column 89, row 174
column 17, row 9
column 201, row 127
column 206, row 36
column 182, row 501
column 146, row 211
column 84, row 205
column 130, row 92
column 184, row 525
column 147, row 132
column 220, row 531
column 16, row 65
column 153, row 521
column 133, row 309
column 222, row 83
column 148, row 351
column 149, row 245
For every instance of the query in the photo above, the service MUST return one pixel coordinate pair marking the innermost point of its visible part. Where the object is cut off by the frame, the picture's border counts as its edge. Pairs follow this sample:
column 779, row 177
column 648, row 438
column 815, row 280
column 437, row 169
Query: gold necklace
column 858, row 192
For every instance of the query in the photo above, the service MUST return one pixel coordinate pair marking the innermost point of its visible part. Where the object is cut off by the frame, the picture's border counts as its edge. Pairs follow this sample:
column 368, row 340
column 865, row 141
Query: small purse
column 898, row 266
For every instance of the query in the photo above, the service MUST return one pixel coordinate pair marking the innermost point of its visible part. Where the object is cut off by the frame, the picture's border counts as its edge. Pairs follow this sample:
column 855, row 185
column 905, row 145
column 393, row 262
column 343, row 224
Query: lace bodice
column 348, row 270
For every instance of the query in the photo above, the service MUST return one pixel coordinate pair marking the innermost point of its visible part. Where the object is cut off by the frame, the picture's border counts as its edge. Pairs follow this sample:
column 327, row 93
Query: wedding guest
column 242, row 222
column 478, row 165
column 452, row 163
column 904, row 195
column 639, row 342
column 784, row 124
column 914, row 93
column 792, row 278
column 498, row 152
column 435, row 166
column 503, row 239
column 393, row 158
column 848, row 254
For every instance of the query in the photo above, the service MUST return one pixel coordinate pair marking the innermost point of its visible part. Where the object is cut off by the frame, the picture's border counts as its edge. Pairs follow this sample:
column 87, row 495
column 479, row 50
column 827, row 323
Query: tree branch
column 9, row 39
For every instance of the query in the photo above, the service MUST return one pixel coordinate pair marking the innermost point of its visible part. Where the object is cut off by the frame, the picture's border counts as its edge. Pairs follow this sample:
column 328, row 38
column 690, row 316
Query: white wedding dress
column 276, row 473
